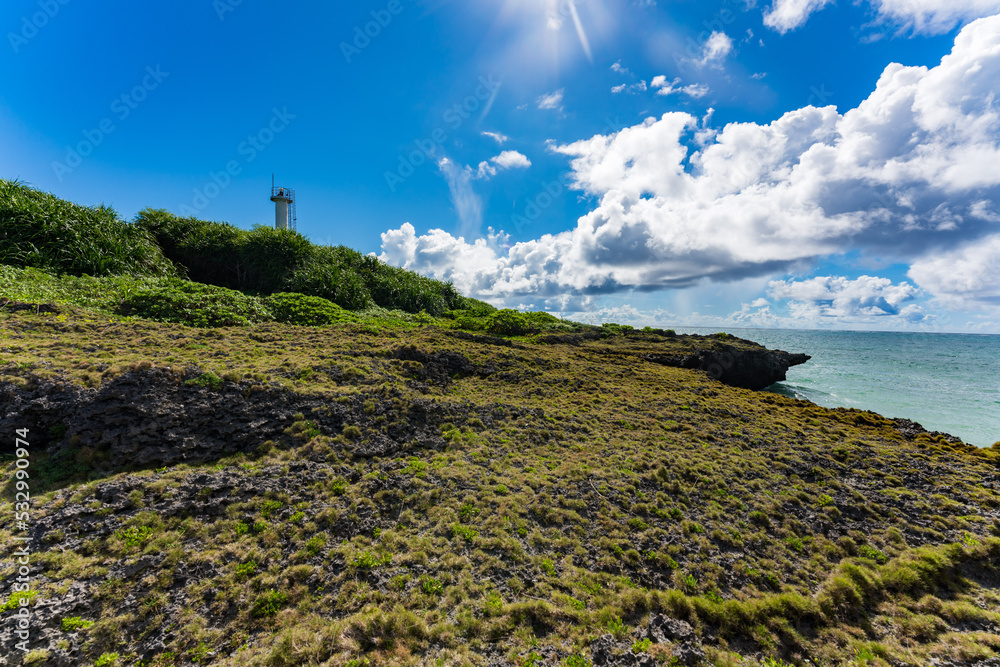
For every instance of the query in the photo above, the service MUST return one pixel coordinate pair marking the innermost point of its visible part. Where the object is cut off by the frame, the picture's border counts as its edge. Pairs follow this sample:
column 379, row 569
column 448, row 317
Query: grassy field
column 496, row 503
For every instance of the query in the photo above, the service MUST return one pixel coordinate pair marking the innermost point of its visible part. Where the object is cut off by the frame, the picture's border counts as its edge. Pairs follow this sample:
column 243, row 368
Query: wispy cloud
column 468, row 205
column 553, row 100
column 497, row 137
column 695, row 90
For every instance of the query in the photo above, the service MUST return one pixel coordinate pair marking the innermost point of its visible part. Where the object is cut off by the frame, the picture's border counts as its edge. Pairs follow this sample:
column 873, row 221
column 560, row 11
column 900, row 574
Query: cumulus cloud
column 911, row 168
column 506, row 160
column 965, row 277
column 844, row 299
column 929, row 17
column 511, row 160
column 717, row 47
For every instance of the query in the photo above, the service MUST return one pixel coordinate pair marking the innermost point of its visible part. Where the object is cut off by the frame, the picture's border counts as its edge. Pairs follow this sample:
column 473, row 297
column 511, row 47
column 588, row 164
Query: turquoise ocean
column 946, row 382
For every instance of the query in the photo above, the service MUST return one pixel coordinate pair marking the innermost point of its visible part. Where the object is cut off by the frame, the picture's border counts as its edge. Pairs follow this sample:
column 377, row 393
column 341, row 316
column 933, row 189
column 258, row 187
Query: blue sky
column 798, row 163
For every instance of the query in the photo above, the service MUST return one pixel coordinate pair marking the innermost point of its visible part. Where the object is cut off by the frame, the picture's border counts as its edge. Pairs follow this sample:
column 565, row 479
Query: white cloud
column 844, row 299
column 911, row 168
column 929, row 17
column 631, row 88
column 552, row 100
column 468, row 205
column 511, row 160
column 966, row 277
column 694, row 90
column 785, row 15
column 617, row 67
column 506, row 160
column 717, row 47
column 497, row 137
column 485, row 170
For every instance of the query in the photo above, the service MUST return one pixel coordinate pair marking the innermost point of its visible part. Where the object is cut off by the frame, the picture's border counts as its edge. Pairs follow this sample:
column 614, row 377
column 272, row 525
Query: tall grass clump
column 266, row 260
column 104, row 293
column 40, row 230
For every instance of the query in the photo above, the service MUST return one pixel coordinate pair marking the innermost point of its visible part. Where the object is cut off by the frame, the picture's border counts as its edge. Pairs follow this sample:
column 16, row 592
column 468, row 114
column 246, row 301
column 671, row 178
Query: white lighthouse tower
column 284, row 207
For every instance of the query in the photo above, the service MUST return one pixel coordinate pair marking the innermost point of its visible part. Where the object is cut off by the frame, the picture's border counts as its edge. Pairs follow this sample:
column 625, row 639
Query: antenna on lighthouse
column 284, row 207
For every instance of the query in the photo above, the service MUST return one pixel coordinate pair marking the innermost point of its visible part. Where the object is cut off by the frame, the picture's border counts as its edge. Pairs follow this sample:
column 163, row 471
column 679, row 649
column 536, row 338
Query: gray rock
column 663, row 629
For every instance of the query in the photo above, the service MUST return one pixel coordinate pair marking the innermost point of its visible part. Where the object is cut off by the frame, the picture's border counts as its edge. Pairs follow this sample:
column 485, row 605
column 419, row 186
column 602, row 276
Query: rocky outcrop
column 752, row 367
column 911, row 429
column 686, row 649
column 157, row 417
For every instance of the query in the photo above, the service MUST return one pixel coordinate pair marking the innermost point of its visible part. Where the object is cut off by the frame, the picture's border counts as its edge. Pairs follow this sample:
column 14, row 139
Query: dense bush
column 40, row 230
column 509, row 322
column 305, row 310
column 267, row 260
column 196, row 305
column 325, row 276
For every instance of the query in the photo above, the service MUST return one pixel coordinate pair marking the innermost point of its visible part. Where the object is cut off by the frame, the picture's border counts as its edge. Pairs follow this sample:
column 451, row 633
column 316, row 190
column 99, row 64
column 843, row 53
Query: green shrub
column 246, row 570
column 269, row 603
column 366, row 560
column 135, row 536
column 265, row 260
column 40, row 230
column 872, row 553
column 196, row 305
column 292, row 308
column 75, row 623
column 616, row 626
column 431, row 586
column 107, row 660
column 14, row 601
column 509, row 322
column 642, row 645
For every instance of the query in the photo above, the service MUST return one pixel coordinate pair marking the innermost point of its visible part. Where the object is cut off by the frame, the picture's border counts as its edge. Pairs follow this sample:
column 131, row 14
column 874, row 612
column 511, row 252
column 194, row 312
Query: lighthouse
column 284, row 207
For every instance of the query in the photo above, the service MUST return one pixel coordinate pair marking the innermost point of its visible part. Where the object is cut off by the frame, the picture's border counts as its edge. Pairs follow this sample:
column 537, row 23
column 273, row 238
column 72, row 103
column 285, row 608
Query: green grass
column 42, row 231
column 74, row 623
